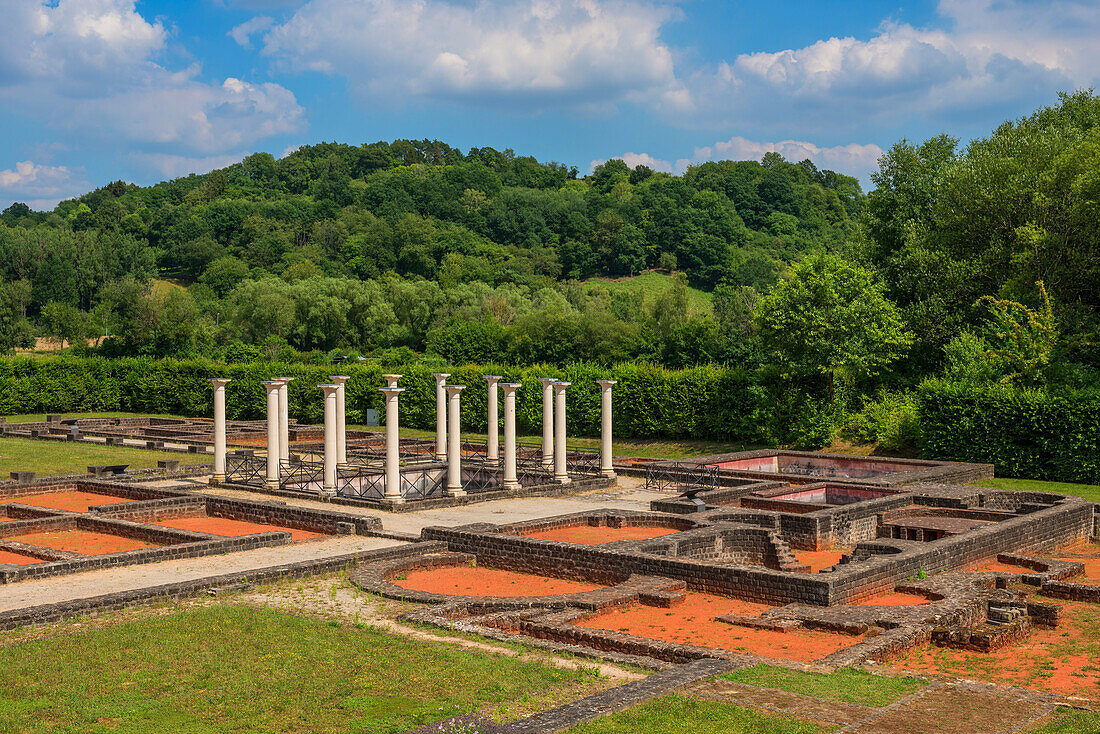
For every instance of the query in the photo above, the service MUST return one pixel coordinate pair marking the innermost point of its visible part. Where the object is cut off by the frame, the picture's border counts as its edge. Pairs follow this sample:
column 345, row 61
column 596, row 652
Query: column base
column 512, row 485
column 456, row 492
column 609, row 473
column 272, row 484
column 441, row 457
column 399, row 500
column 217, row 479
column 562, row 478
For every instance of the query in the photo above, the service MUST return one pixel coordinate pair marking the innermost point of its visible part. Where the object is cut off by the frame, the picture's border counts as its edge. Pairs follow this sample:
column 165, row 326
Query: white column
column 561, row 470
column 331, row 392
column 440, row 415
column 510, row 480
column 341, row 419
column 393, row 445
column 492, row 450
column 548, row 421
column 219, row 384
column 606, row 460
column 454, row 439
column 272, row 432
column 284, row 418
column 391, row 380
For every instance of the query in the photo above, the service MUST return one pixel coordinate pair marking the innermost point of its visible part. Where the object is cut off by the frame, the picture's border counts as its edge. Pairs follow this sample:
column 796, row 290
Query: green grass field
column 49, row 458
column 1091, row 492
column 847, row 684
column 652, row 285
column 242, row 669
column 677, row 714
column 1073, row 722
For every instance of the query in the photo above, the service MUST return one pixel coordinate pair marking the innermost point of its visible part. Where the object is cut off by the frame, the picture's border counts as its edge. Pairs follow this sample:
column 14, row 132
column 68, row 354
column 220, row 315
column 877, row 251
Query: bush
column 890, row 420
column 1028, row 433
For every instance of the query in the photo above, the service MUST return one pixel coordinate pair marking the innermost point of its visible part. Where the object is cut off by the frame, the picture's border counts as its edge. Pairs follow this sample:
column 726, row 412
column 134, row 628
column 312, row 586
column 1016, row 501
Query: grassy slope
column 651, row 285
column 684, row 715
column 48, row 458
column 847, row 685
column 237, row 668
column 1091, row 492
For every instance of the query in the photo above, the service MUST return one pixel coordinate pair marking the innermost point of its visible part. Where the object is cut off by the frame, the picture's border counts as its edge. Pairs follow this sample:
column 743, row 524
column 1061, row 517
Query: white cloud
column 636, row 159
column 40, row 186
column 540, row 54
column 91, row 66
column 243, row 33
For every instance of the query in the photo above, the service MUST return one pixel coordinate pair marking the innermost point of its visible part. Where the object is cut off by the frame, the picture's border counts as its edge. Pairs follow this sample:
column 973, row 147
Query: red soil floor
column 893, row 599
column 82, row 541
column 18, row 558
column 74, row 501
column 818, row 560
column 1063, row 660
column 481, row 581
column 232, row 528
column 692, row 622
column 591, row 535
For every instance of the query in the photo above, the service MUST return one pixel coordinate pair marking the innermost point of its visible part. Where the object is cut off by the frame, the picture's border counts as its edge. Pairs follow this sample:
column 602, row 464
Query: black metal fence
column 678, row 476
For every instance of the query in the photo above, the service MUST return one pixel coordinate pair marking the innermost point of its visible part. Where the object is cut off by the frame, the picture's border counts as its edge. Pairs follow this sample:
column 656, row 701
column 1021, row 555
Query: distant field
column 651, row 285
column 48, row 458
column 1091, row 492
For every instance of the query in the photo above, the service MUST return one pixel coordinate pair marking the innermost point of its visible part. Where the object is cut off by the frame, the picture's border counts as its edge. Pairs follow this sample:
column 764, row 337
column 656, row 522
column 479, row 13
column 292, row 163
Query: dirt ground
column 481, row 581
column 232, row 528
column 82, row 541
column 590, row 535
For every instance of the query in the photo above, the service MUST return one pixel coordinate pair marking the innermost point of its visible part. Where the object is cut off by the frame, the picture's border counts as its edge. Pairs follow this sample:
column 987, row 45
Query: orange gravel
column 481, row 581
column 692, row 622
column 75, row 501
column 232, row 528
column 1063, row 660
column 818, row 560
column 82, row 541
column 893, row 599
column 592, row 535
column 18, row 558
column 998, row 567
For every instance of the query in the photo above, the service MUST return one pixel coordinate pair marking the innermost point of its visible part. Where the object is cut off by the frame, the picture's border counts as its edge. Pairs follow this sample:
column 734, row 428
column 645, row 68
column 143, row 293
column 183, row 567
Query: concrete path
column 629, row 495
column 128, row 578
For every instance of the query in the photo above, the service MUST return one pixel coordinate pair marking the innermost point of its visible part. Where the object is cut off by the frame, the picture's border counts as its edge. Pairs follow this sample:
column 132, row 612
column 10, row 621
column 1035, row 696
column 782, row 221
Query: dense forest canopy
column 986, row 255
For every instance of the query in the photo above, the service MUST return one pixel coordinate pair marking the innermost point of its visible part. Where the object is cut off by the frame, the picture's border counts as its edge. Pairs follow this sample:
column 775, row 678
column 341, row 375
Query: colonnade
column 448, row 446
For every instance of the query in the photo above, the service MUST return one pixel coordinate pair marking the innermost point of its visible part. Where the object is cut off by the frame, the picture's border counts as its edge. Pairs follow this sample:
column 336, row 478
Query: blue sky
column 96, row 90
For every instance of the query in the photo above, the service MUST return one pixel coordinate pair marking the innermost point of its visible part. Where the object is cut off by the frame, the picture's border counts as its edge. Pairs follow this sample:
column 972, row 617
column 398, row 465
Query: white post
column 606, row 460
column 272, row 432
column 440, row 415
column 341, row 420
column 561, row 469
column 393, row 454
column 510, row 480
column 454, row 438
column 284, row 418
column 548, row 421
column 492, row 450
column 391, row 380
column 331, row 392
column 219, row 384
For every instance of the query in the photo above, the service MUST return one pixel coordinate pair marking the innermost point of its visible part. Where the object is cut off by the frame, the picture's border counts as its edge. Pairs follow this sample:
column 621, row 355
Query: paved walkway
column 129, row 578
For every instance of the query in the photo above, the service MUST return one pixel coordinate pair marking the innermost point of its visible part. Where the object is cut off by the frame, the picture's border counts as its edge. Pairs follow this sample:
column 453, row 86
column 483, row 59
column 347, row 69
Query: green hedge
column 1025, row 433
column 717, row 402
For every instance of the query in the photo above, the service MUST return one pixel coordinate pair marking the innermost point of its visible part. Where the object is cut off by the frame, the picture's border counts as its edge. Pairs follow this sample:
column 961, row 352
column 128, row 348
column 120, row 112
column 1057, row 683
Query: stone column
column 331, row 401
column 510, row 480
column 341, row 419
column 454, row 439
column 391, row 380
column 284, row 418
column 393, row 446
column 548, row 421
column 606, row 460
column 440, row 415
column 273, row 388
column 219, row 384
column 492, row 450
column 561, row 469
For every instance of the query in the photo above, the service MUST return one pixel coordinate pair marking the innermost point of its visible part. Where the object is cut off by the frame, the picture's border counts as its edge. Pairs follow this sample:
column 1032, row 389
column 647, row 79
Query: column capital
column 391, row 390
column 491, row 379
column 547, row 381
column 391, row 378
column 454, row 389
column 219, row 381
column 283, row 380
column 329, row 388
column 510, row 386
column 606, row 383
column 561, row 385
column 441, row 375
column 339, row 379
column 271, row 384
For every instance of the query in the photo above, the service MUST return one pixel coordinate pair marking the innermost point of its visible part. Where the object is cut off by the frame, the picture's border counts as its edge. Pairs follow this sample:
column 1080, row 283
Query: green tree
column 831, row 315
column 63, row 322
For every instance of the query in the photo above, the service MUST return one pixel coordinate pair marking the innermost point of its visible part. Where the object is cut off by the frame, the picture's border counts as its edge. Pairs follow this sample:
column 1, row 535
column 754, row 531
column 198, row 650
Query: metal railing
column 245, row 468
column 679, row 476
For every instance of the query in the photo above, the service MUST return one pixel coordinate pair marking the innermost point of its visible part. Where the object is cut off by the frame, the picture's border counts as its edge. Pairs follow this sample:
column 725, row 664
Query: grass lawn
column 1073, row 722
column 48, row 458
column 847, row 684
column 39, row 417
column 677, row 714
column 243, row 669
column 1091, row 492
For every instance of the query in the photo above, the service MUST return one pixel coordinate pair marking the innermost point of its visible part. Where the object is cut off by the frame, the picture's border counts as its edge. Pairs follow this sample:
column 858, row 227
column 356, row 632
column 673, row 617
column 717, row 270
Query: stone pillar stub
column 510, row 479
column 440, row 415
column 454, row 440
column 219, row 384
column 341, row 419
column 392, row 490
column 607, row 461
column 272, row 388
column 561, row 457
column 548, row 421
